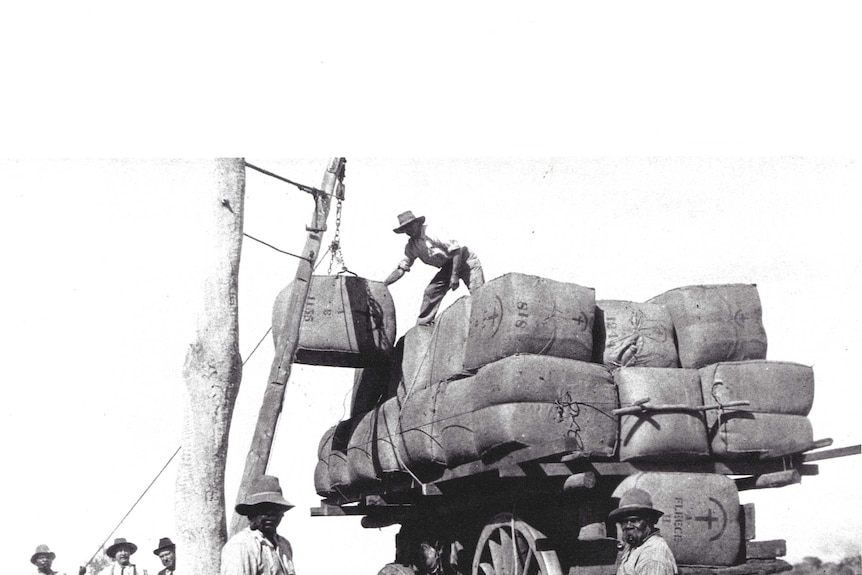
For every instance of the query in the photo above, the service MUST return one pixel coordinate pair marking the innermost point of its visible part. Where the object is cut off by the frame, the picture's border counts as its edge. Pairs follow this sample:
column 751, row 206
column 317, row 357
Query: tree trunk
column 212, row 372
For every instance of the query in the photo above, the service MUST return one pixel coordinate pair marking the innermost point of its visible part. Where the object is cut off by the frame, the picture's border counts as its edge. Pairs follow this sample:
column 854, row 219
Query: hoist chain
column 335, row 246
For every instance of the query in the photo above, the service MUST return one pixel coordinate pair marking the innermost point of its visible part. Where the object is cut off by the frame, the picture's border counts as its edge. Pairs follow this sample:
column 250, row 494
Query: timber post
column 287, row 337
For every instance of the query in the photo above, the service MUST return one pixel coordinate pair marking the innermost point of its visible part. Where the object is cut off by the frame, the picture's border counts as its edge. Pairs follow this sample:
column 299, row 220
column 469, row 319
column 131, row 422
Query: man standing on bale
column 259, row 549
column 456, row 262
column 645, row 551
column 167, row 554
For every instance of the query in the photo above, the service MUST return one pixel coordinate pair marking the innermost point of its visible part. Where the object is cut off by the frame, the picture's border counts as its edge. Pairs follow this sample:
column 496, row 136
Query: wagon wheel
column 507, row 546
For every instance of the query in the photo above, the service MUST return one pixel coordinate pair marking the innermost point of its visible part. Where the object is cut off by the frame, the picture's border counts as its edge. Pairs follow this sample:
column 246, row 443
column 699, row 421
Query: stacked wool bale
column 528, row 342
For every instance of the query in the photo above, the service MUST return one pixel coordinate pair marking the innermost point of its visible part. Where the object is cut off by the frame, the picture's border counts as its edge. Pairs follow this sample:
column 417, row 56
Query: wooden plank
column 832, row 453
column 753, row 567
column 808, row 470
column 747, row 521
column 769, row 480
column 765, row 549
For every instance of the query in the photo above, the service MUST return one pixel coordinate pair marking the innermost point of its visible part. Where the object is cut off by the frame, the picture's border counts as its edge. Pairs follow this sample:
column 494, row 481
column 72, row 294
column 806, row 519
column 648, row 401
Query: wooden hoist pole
column 287, row 337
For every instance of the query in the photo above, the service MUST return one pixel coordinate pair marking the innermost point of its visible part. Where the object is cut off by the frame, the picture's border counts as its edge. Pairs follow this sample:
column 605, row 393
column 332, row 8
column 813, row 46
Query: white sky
column 513, row 127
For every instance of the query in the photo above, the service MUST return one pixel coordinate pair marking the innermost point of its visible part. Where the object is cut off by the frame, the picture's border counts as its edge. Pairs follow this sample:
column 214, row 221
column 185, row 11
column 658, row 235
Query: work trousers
column 470, row 273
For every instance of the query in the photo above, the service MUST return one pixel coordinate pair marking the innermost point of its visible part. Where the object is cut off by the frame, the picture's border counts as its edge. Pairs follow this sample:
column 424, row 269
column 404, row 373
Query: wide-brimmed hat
column 635, row 502
column 266, row 489
column 42, row 550
column 405, row 219
column 164, row 543
column 119, row 542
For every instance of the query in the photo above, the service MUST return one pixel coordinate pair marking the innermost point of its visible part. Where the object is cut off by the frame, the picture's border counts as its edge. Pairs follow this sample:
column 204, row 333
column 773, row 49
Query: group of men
column 120, row 552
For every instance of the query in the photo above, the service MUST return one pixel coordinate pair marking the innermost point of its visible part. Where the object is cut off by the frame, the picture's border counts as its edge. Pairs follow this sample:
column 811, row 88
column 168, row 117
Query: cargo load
column 633, row 334
column 661, row 435
column 769, row 386
column 347, row 321
column 523, row 314
column 701, row 521
column 715, row 323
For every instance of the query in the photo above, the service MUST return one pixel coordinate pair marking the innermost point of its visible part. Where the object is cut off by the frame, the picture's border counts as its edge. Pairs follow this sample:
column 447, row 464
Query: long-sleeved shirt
column 250, row 553
column 652, row 557
column 430, row 247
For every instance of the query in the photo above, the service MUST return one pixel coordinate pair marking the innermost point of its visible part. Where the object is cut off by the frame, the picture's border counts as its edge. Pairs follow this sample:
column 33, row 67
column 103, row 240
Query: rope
column 159, row 474
column 304, row 188
column 275, row 248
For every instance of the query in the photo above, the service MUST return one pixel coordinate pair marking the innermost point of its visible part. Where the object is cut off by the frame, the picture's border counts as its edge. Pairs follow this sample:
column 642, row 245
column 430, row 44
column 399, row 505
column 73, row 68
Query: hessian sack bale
column 454, row 421
column 534, row 400
column 370, row 386
column 661, row 436
column 360, row 452
column 633, row 334
column 420, row 449
column 347, row 321
column 715, row 323
column 322, row 482
column 388, row 459
column 518, row 313
column 701, row 514
column 770, row 386
column 738, row 433
column 415, row 354
column 339, row 472
column 449, row 341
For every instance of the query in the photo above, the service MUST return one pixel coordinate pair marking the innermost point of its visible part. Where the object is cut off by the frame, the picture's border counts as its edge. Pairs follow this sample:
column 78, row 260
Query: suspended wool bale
column 415, row 361
column 347, row 321
column 322, row 481
column 518, row 313
column 701, row 514
column 661, row 436
column 738, row 433
column 449, row 341
column 715, row 323
column 533, row 400
column 769, row 386
column 633, row 334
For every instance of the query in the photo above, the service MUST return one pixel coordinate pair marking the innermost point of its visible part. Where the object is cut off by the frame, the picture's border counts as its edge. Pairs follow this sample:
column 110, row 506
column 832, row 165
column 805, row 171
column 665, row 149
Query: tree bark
column 212, row 373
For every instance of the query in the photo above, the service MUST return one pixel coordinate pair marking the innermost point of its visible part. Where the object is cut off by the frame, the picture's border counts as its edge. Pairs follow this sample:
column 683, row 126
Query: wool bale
column 361, row 449
column 322, row 481
column 633, row 334
column 454, row 423
column 715, row 323
column 415, row 361
column 739, row 433
column 532, row 400
column 523, row 314
column 701, row 514
column 661, row 436
column 388, row 438
column 769, row 386
column 421, row 450
column 449, row 340
column 339, row 469
column 347, row 321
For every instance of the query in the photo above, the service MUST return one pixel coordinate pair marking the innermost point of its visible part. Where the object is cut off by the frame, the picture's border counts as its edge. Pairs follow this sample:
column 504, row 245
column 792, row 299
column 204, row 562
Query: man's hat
column 42, row 550
column 164, row 543
column 118, row 544
column 635, row 502
column 266, row 489
column 405, row 219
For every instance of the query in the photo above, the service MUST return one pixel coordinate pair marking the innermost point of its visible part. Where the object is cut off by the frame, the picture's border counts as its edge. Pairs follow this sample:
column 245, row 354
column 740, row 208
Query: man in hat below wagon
column 456, row 262
column 121, row 552
column 43, row 558
column 645, row 551
column 167, row 554
column 259, row 549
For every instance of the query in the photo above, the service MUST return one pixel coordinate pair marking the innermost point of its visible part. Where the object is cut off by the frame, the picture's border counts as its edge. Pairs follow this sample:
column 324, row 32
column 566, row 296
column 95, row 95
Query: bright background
column 629, row 147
